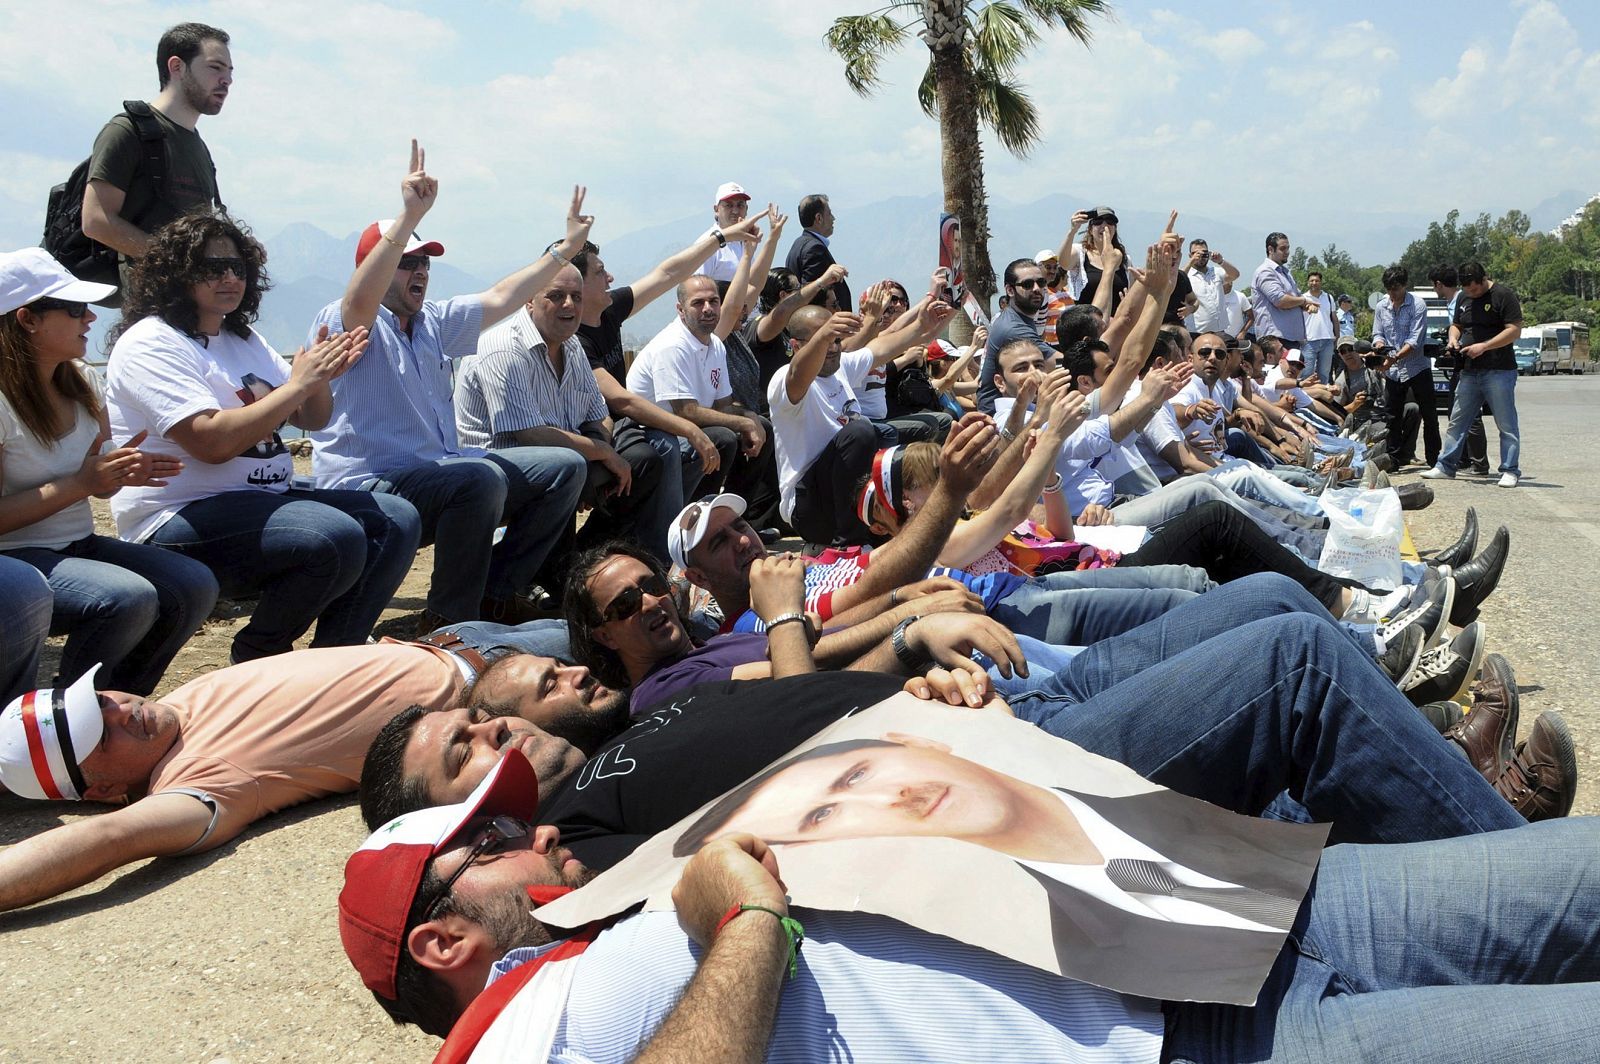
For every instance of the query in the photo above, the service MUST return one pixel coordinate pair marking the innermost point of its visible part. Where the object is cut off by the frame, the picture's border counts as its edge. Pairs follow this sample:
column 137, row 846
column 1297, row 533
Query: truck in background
column 1563, row 347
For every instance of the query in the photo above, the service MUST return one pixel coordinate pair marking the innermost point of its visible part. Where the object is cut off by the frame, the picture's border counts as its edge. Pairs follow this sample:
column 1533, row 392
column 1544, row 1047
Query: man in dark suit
column 809, row 255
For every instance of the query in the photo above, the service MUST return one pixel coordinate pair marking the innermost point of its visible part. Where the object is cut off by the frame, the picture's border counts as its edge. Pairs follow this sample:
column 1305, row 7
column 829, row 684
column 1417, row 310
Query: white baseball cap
column 689, row 528
column 32, row 274
column 1045, row 256
column 44, row 737
column 730, row 190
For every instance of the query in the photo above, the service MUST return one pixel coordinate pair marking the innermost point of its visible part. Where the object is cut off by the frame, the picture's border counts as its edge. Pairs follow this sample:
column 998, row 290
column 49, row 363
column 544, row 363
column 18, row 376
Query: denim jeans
column 1186, row 493
column 1460, row 951
column 533, row 491
column 1064, row 609
column 128, row 606
column 312, row 554
column 1252, row 690
column 24, row 624
column 1319, row 358
column 546, row 637
column 1498, row 388
column 680, row 475
column 1252, row 482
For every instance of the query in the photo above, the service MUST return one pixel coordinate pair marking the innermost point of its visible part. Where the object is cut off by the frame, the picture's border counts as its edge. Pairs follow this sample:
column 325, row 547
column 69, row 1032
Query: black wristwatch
column 913, row 660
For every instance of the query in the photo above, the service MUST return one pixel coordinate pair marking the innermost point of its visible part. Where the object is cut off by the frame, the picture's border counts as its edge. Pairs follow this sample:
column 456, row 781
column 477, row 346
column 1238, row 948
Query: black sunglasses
column 491, row 838
column 68, row 307
column 212, row 269
column 629, row 601
column 1211, row 352
column 1028, row 285
column 413, row 262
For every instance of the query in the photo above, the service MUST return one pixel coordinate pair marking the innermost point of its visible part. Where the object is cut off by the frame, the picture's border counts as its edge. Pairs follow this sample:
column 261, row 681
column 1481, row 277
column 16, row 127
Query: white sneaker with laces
column 1436, row 473
column 1509, row 480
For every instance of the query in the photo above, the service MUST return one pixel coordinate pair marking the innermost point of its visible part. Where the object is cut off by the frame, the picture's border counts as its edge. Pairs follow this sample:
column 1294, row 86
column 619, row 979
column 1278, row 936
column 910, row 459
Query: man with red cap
column 394, row 424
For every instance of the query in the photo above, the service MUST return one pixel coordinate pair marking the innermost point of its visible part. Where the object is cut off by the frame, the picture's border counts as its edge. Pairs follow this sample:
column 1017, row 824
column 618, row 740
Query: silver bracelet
column 785, row 618
column 1054, row 486
column 554, row 254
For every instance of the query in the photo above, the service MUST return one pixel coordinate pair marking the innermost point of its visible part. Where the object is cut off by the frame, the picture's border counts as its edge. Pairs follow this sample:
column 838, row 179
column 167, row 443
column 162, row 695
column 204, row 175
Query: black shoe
column 769, row 536
column 1460, row 552
column 1399, row 659
column 1382, row 462
column 1479, row 470
column 1477, row 578
column 1444, row 672
column 1415, row 496
column 1443, row 715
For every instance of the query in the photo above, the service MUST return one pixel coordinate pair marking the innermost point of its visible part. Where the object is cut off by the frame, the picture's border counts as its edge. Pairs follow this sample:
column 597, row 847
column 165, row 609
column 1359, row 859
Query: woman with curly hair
column 124, row 605
column 188, row 369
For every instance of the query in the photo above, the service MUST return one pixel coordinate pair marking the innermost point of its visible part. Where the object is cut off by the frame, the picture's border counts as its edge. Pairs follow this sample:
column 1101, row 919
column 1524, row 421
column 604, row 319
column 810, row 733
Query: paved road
column 1543, row 617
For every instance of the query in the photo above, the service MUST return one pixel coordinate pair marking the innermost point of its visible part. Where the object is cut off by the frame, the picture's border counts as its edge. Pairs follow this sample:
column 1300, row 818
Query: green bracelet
column 792, row 930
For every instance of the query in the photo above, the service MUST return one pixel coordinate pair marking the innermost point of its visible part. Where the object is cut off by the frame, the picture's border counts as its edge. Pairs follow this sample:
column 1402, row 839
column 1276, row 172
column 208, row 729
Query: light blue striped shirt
column 1407, row 324
column 1270, row 284
column 393, row 409
column 510, row 385
column 868, row 989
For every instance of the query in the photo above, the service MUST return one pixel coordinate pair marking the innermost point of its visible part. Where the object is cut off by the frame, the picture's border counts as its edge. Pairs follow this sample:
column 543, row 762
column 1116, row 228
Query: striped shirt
column 393, row 409
column 868, row 989
column 512, row 386
column 1398, row 326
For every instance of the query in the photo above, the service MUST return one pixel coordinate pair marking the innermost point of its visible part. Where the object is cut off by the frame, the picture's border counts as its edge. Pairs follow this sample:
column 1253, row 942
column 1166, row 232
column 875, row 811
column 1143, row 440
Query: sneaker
column 1542, row 780
column 1428, row 609
column 1437, row 473
column 1400, row 655
column 1445, row 670
column 1490, row 729
column 1509, row 480
column 1443, row 715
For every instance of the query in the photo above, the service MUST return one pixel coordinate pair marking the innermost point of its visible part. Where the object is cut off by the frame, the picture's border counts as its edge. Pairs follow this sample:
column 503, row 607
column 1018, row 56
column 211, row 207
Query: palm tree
column 975, row 48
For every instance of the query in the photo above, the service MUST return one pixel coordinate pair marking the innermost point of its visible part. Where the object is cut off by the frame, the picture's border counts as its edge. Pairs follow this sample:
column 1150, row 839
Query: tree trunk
column 961, row 161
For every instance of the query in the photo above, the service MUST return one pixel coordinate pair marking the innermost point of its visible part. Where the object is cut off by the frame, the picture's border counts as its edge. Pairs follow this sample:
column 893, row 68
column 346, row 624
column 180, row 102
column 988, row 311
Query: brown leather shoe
column 1543, row 779
column 1489, row 730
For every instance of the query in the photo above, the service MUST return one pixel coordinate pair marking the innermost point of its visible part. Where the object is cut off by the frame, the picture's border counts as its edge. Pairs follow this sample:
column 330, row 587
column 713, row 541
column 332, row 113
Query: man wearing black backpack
column 149, row 165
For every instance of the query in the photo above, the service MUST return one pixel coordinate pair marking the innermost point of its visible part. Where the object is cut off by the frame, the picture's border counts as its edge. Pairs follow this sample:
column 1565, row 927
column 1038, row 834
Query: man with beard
column 1025, row 285
column 122, row 205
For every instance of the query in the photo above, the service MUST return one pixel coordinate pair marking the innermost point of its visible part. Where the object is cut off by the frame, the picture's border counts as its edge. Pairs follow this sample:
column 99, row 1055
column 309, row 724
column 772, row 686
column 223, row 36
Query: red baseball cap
column 372, row 234
column 381, row 878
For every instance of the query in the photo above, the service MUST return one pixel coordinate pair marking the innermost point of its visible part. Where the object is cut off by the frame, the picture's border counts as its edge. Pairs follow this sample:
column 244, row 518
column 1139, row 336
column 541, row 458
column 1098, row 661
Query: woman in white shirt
column 124, row 605
column 188, row 369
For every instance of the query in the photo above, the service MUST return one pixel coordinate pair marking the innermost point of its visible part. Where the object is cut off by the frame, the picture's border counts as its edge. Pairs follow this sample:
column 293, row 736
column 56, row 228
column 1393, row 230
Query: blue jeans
column 533, row 491
column 1185, row 493
column 546, row 638
column 128, row 606
column 1253, row 690
column 1467, row 950
column 1078, row 609
column 312, row 554
column 24, row 624
column 681, row 470
column 1498, row 388
column 1319, row 358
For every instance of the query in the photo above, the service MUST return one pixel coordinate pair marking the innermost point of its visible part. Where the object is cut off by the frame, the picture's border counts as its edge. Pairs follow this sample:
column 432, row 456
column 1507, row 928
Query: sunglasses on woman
column 212, row 269
column 629, row 601
column 68, row 307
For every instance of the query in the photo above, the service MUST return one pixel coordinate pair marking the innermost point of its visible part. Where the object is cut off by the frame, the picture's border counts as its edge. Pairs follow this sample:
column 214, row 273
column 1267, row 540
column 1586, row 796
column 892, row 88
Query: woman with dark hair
column 188, row 369
column 1096, row 252
column 127, row 606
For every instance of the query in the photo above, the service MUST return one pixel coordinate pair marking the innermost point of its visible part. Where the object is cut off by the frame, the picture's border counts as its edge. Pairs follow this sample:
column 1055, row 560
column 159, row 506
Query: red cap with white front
column 415, row 245
column 381, row 878
column 44, row 737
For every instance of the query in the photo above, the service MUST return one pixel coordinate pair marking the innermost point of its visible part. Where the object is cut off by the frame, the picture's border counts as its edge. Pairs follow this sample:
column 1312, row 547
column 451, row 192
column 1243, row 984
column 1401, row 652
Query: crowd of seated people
column 605, row 564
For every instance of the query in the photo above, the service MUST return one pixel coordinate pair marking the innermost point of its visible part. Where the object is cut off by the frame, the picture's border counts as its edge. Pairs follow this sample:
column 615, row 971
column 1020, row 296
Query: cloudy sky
column 1272, row 113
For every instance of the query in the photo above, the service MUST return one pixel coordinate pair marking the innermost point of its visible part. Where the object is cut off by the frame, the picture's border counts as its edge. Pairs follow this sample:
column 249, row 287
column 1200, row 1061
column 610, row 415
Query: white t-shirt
column 723, row 263
column 868, row 381
column 674, row 365
column 1123, row 465
column 1224, row 393
column 1233, row 312
column 1319, row 323
column 157, row 378
column 1209, row 313
column 1278, row 384
column 803, row 429
column 1159, row 432
column 29, row 463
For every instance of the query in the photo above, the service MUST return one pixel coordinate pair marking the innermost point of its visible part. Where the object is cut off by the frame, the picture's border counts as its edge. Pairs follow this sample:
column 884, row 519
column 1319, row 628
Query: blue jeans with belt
column 324, row 555
column 1498, row 388
column 128, row 606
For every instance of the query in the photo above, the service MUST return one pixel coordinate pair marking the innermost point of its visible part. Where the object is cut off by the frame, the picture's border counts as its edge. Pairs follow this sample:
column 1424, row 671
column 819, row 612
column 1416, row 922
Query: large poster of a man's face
column 946, row 819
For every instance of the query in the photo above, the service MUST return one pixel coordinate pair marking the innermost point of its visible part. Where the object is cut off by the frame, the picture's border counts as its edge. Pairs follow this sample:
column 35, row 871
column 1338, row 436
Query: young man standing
column 1487, row 320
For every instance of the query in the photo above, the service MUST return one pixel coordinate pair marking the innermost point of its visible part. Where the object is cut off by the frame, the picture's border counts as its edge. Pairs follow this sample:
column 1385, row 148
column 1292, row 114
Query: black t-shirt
column 710, row 738
column 603, row 342
column 1180, row 292
column 1481, row 319
column 771, row 355
column 1119, row 285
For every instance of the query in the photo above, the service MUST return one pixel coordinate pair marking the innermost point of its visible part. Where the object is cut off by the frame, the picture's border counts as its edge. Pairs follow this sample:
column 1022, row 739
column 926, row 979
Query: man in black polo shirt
column 1488, row 319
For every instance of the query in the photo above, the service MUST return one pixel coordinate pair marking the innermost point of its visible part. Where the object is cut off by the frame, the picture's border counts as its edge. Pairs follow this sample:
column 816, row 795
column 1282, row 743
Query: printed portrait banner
column 950, row 257
column 982, row 828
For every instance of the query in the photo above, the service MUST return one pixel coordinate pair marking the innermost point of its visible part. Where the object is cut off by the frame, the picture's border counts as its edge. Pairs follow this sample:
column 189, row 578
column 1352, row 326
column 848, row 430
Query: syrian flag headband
column 885, row 483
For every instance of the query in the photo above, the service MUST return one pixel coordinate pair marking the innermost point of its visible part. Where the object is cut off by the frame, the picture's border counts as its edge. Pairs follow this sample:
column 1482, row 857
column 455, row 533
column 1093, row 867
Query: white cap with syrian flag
column 44, row 737
column 381, row 878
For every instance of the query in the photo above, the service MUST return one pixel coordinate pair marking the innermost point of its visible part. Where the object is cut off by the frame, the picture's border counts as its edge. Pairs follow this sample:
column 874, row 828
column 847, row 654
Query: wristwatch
column 911, row 659
column 722, row 241
column 795, row 615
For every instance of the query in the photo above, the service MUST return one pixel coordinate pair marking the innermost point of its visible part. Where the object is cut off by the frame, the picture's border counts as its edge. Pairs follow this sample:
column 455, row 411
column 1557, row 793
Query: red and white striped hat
column 44, row 737
column 381, row 878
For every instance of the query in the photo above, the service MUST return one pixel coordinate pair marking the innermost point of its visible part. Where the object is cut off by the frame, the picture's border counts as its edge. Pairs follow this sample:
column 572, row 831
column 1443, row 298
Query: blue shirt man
column 1399, row 328
column 1279, row 306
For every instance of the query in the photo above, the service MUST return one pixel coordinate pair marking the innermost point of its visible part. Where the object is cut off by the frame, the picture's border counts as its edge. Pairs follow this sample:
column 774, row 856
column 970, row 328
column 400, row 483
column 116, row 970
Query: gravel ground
column 234, row 955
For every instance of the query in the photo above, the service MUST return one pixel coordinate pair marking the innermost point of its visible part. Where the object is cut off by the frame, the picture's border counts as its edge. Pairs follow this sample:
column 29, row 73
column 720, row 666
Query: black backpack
column 87, row 259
